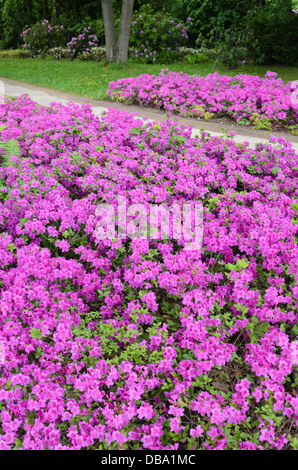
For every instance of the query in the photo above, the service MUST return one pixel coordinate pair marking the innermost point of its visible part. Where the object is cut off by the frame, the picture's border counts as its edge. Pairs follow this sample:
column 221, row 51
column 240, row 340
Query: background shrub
column 14, row 54
column 73, row 28
column 235, row 46
column 199, row 55
column 42, row 36
column 156, row 37
column 273, row 23
column 196, row 58
column 96, row 54
column 207, row 15
column 276, row 27
column 59, row 53
column 83, row 42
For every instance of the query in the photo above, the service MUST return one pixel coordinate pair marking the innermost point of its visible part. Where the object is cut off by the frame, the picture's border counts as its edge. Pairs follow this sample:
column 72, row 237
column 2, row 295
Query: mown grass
column 91, row 79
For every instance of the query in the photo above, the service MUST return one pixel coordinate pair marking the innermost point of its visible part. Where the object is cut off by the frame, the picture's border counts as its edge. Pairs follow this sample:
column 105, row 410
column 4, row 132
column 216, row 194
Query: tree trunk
column 109, row 26
column 124, row 31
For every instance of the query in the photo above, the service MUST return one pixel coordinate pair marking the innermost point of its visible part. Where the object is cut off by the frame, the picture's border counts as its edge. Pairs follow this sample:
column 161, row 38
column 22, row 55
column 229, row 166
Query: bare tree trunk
column 109, row 26
column 124, row 31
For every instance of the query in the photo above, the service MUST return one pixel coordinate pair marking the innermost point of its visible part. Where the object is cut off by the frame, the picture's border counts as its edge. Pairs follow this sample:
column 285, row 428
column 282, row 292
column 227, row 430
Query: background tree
column 272, row 22
column 117, row 49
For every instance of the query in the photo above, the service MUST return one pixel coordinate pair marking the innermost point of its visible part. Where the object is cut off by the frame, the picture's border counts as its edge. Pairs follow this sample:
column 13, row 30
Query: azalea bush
column 42, row 36
column 248, row 100
column 139, row 343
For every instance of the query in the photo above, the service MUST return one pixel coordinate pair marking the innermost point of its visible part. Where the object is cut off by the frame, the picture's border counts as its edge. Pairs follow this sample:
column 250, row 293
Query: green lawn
column 91, row 79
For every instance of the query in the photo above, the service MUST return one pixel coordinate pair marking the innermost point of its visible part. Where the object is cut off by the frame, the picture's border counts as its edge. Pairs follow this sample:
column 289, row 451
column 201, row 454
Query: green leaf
column 241, row 264
column 35, row 333
column 18, row 443
column 22, row 222
column 10, row 148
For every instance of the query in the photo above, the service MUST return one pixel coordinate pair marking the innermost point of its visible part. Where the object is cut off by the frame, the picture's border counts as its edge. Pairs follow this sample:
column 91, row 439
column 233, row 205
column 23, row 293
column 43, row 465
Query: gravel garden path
column 45, row 96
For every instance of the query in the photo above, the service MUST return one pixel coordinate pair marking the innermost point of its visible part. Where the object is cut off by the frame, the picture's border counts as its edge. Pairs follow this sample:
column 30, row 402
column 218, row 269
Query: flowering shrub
column 15, row 54
column 140, row 344
column 237, row 46
column 276, row 27
column 41, row 37
column 97, row 54
column 156, row 37
column 190, row 51
column 83, row 43
column 197, row 56
column 263, row 102
column 60, row 53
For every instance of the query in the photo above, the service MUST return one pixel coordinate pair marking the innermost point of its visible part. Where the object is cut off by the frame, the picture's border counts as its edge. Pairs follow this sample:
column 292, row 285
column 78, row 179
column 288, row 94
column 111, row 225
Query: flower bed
column 248, row 100
column 141, row 344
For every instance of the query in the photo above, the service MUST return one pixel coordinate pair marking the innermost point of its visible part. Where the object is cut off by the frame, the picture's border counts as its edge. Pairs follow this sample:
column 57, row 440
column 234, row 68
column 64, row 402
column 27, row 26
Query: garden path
column 45, row 96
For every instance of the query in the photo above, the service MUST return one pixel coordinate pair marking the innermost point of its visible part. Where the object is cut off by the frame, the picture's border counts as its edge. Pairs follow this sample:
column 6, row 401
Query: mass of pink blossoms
column 140, row 344
column 244, row 98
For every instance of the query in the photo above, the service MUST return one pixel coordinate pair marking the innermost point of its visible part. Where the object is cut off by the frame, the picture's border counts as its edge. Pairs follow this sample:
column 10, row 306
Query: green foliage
column 75, row 15
column 293, row 129
column 156, row 37
column 241, row 264
column 41, row 37
column 196, row 56
column 35, row 333
column 74, row 24
column 235, row 46
column 118, row 344
column 14, row 54
column 10, row 149
column 260, row 122
column 256, row 329
column 96, row 54
column 196, row 59
column 206, row 16
column 276, row 28
column 60, row 53
column 14, row 15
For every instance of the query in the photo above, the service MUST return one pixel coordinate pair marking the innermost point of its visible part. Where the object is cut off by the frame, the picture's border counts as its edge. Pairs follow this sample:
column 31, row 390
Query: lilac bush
column 140, row 344
column 248, row 100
